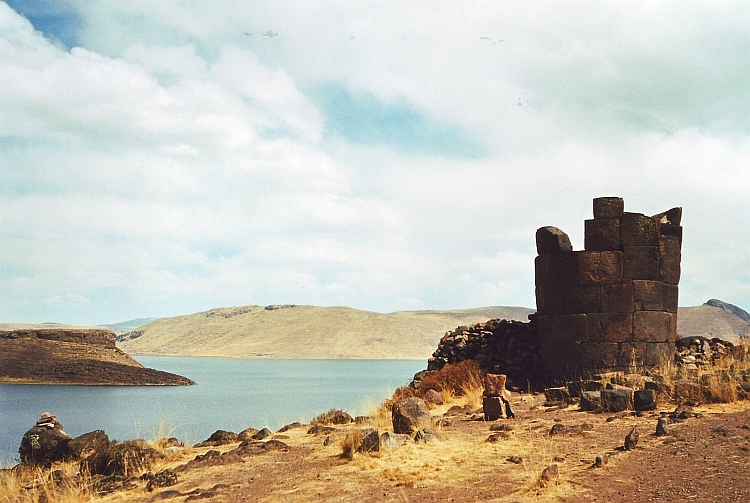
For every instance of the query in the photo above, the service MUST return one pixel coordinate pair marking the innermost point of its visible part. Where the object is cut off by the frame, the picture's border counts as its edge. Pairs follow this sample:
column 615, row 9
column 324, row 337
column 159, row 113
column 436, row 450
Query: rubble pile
column 698, row 351
column 498, row 346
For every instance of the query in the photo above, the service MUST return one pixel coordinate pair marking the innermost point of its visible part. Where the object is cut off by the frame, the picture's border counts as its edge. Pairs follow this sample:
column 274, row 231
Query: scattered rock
column 333, row 416
column 262, row 434
column 558, row 429
column 601, row 460
column 288, row 427
column 631, row 439
column 556, row 396
column 248, row 433
column 501, row 427
column 517, row 460
column 89, row 444
column 164, row 478
column 496, row 437
column 426, row 435
column 391, row 440
column 549, row 475
column 409, row 414
column 590, row 400
column 662, row 426
column 618, row 399
column 433, row 397
column 219, row 437
column 370, row 441
column 317, row 429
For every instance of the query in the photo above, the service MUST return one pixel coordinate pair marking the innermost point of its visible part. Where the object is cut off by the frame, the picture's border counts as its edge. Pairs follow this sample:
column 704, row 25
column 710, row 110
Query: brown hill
column 714, row 319
column 305, row 332
column 72, row 356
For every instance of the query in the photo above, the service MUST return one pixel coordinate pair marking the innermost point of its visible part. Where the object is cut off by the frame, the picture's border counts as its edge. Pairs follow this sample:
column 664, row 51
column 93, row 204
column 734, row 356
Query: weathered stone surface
column 672, row 216
column 494, row 384
column 658, row 353
column 551, row 240
column 89, row 443
column 648, row 295
column 588, row 267
column 617, row 298
column 617, row 400
column 492, row 407
column 644, row 399
column 370, row 441
column 608, row 207
column 558, row 429
column 563, row 269
column 611, row 267
column 44, row 444
column 541, row 270
column 591, row 400
column 248, row 433
column 578, row 386
column 662, row 426
column 602, row 235
column 638, row 230
column 570, row 328
column 410, row 414
column 165, row 478
column 651, row 326
column 641, row 262
column 584, row 299
column 433, row 397
column 632, row 355
column 391, row 440
column 549, row 475
column 129, row 457
column 670, row 257
column 671, row 294
column 672, row 327
column 631, row 439
column 556, row 395
column 262, row 434
column 671, row 230
column 601, row 460
column 219, row 437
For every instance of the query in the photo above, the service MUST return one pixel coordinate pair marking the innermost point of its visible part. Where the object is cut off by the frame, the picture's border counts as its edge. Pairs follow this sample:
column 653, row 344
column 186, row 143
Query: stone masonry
column 612, row 306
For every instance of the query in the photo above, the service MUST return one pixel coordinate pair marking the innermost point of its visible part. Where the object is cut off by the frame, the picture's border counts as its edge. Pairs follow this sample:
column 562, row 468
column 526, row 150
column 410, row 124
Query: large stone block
column 669, row 260
column 602, row 235
column 644, row 399
column 610, row 327
column 670, row 293
column 598, row 356
column 632, row 355
column 672, row 327
column 584, row 299
column 492, row 407
column 671, row 230
column 571, row 328
column 617, row 298
column 544, row 326
column 608, row 207
column 641, row 262
column 554, row 299
column 648, row 295
column 563, row 269
column 617, row 400
column 409, row 415
column 588, row 267
column 638, row 230
column 651, row 326
column 541, row 270
column 550, row 240
column 610, row 267
column 591, row 400
column 494, row 384
column 658, row 353
column 541, row 306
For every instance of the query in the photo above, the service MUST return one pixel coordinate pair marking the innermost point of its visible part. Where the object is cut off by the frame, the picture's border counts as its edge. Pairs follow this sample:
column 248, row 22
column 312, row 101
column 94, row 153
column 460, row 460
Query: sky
column 164, row 157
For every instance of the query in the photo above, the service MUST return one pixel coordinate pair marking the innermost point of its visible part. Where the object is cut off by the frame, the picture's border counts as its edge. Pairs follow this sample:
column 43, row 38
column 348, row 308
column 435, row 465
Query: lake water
column 231, row 394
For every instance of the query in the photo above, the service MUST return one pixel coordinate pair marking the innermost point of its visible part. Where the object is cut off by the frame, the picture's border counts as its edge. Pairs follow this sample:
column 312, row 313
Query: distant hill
column 127, row 326
column 714, row 319
column 305, row 332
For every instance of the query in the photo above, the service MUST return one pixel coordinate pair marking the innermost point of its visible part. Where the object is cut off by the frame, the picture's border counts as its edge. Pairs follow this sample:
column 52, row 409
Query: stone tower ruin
column 612, row 306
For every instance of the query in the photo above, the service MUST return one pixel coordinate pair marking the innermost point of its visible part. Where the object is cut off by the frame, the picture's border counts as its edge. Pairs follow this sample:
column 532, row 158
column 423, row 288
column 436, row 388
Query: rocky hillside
column 715, row 318
column 72, row 356
column 305, row 332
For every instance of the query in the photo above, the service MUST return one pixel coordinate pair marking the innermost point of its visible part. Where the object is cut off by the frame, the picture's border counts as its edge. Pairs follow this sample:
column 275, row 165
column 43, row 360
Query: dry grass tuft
column 349, row 445
column 455, row 380
column 61, row 483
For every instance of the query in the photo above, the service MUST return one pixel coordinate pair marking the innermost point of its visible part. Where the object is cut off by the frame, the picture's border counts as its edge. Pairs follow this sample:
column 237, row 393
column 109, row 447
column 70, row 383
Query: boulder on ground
column 426, row 435
column 492, row 407
column 410, row 414
column 618, row 399
column 433, row 397
column 370, row 440
column 219, row 437
column 662, row 426
column 590, row 400
column 262, row 434
column 46, row 442
column 88, row 444
column 644, row 399
column 391, row 440
column 248, row 433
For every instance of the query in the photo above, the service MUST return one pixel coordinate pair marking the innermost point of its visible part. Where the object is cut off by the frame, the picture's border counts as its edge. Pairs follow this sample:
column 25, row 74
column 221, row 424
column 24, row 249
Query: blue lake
column 231, row 394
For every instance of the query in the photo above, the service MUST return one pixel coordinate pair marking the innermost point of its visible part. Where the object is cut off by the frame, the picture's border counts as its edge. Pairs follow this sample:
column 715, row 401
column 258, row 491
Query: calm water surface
column 231, row 394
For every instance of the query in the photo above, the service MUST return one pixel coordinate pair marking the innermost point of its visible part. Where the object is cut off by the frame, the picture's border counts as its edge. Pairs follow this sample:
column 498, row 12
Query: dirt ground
column 704, row 458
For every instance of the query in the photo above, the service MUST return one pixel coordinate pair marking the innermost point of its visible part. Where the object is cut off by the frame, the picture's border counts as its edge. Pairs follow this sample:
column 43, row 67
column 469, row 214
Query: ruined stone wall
column 613, row 305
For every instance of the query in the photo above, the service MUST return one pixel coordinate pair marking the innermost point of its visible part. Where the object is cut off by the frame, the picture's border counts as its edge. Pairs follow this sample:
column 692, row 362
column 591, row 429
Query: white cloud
column 174, row 163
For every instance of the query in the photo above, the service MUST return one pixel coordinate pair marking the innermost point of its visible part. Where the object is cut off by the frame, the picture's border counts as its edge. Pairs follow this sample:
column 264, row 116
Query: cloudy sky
column 162, row 157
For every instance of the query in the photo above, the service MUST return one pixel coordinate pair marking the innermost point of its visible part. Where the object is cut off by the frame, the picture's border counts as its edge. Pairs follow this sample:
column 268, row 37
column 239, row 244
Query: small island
column 73, row 356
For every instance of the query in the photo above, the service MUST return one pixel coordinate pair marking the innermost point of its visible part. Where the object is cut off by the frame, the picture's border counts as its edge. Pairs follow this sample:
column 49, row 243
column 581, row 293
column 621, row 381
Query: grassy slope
column 307, row 332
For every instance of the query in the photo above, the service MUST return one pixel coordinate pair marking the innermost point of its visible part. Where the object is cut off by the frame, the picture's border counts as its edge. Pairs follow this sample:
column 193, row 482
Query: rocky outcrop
column 73, row 356
column 499, row 346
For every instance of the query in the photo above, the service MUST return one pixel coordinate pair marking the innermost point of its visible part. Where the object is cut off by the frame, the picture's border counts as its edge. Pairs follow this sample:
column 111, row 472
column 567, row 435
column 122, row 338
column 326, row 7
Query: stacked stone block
column 614, row 304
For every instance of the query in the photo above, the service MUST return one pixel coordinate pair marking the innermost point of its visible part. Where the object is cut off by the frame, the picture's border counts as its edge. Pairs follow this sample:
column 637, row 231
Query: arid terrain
column 341, row 332
column 305, row 332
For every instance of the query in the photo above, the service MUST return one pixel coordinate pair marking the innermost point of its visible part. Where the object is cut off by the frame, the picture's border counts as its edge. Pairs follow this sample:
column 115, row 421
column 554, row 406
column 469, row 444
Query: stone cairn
column 499, row 346
column 612, row 306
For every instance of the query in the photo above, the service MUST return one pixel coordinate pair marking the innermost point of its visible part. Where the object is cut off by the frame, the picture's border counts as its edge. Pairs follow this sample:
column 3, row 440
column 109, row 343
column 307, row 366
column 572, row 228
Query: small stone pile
column 698, row 351
column 498, row 346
